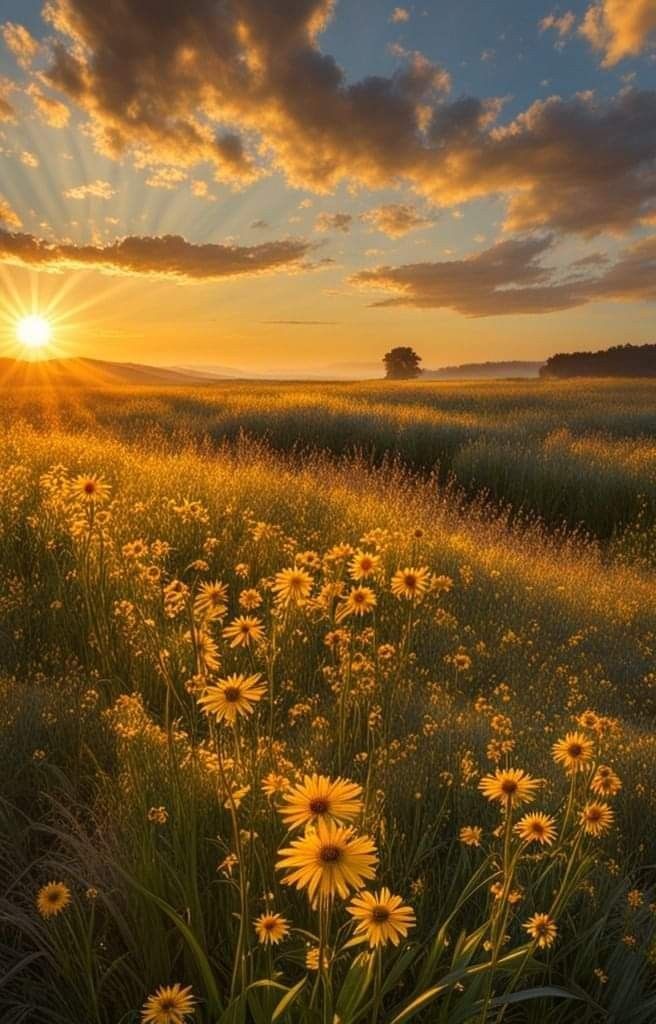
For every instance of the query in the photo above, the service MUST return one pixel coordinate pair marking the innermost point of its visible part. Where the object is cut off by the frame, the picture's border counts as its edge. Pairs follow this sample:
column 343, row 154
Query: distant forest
column 619, row 361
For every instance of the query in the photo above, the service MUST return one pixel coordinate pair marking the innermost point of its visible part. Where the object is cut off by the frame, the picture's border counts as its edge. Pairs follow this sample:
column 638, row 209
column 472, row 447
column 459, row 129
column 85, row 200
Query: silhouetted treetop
column 402, row 363
column 618, row 361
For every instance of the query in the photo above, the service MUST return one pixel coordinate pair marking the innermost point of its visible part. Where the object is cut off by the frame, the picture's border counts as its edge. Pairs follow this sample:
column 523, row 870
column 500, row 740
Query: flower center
column 380, row 914
column 330, row 854
column 89, row 487
column 232, row 694
column 509, row 786
column 319, row 805
column 410, row 582
column 167, row 1004
column 575, row 750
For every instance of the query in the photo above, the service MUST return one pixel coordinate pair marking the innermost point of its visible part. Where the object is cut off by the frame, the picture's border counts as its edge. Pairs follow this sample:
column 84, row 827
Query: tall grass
column 580, row 453
column 153, row 814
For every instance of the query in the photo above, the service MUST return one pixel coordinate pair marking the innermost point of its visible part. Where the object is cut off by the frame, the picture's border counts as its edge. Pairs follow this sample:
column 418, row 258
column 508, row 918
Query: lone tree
column 402, row 364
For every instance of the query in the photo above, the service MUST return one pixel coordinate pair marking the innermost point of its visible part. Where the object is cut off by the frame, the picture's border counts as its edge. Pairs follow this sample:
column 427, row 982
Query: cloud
column 97, row 189
column 7, row 112
column 20, row 42
column 303, row 323
column 29, row 159
column 333, row 222
column 510, row 278
column 620, row 28
column 169, row 256
column 395, row 219
column 562, row 24
column 201, row 190
column 245, row 86
column 8, row 215
column 52, row 111
column 166, row 177
column 400, row 14
column 260, row 225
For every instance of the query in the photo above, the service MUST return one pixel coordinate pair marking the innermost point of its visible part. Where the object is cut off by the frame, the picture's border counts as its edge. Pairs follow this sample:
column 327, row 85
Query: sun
column 33, row 332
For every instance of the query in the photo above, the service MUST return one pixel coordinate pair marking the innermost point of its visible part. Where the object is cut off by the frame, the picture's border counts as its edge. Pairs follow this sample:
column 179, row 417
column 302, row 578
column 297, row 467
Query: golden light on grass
column 33, row 332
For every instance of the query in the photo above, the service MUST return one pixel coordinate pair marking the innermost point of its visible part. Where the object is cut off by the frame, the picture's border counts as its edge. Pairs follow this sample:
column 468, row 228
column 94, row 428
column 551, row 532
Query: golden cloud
column 333, row 222
column 52, row 111
column 244, row 86
column 619, row 28
column 395, row 219
column 20, row 42
column 8, row 215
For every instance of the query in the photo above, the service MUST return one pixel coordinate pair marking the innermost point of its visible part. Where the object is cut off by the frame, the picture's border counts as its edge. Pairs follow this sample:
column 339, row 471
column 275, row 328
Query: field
column 422, row 589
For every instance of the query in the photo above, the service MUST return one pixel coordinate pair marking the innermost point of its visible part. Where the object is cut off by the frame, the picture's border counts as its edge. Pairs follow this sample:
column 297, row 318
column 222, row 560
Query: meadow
column 328, row 703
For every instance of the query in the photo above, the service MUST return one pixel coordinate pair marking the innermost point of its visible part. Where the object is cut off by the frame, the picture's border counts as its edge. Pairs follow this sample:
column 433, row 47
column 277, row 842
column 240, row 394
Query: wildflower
column 90, row 489
column 273, row 784
column 292, row 586
column 244, row 631
column 169, row 1005
column 250, row 599
column 471, row 835
column 589, row 720
column 312, row 959
column 605, row 782
column 363, row 565
column 232, row 696
column 271, row 928
column 208, row 652
column 542, row 929
column 227, row 866
column 319, row 797
column 328, row 861
column 536, row 828
column 210, row 600
column 497, row 890
column 509, row 786
column 158, row 815
column 411, row 584
column 52, row 898
column 574, row 752
column 360, row 601
column 635, row 898
column 596, row 818
column 381, row 917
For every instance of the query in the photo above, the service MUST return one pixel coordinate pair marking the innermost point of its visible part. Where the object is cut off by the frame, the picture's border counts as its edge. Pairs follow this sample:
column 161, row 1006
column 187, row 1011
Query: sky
column 306, row 184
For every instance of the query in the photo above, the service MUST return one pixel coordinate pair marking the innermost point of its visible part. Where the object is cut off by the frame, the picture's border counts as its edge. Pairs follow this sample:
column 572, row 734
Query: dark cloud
column 166, row 256
column 510, row 278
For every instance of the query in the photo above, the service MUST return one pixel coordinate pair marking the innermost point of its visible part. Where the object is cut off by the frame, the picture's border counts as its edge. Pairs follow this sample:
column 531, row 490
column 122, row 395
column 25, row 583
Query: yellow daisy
column 210, row 600
column 292, row 586
column 410, row 583
column 471, row 835
column 169, row 1005
column 509, row 786
column 244, row 631
column 360, row 601
column 542, row 929
column 596, row 818
column 605, row 782
column 52, row 898
column 319, row 797
column 363, row 565
column 381, row 917
column 271, row 928
column 232, row 696
column 574, row 752
column 274, row 783
column 89, row 488
column 536, row 828
column 328, row 861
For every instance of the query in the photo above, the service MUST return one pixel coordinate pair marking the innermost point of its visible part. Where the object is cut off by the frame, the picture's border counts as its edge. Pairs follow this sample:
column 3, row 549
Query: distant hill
column 618, row 361
column 19, row 372
column 481, row 371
